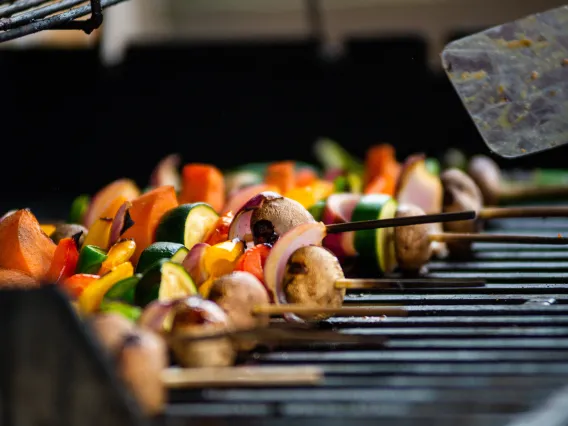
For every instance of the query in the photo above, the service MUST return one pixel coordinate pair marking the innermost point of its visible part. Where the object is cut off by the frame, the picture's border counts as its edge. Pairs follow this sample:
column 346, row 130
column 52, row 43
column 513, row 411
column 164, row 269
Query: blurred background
column 234, row 81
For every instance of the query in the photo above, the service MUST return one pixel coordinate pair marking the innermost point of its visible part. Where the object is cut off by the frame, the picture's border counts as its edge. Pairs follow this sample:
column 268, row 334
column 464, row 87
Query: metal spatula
column 513, row 81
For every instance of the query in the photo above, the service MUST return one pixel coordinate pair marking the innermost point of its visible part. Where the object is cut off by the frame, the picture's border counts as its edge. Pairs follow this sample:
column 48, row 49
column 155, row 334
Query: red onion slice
column 333, row 174
column 121, row 222
column 242, row 196
column 306, row 234
column 240, row 226
column 157, row 316
column 339, row 209
column 417, row 186
column 193, row 263
column 166, row 172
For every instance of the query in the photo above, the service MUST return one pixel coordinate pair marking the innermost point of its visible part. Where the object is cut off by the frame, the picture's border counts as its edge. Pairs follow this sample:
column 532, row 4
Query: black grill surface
column 493, row 355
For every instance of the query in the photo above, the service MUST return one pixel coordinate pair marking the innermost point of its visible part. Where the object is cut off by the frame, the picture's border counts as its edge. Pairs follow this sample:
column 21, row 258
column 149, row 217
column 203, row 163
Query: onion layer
column 193, row 263
column 303, row 235
column 120, row 223
column 339, row 209
column 166, row 172
column 240, row 227
column 242, row 196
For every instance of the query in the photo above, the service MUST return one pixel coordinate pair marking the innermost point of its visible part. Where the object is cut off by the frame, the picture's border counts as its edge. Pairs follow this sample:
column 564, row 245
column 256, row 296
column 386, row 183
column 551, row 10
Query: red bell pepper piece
column 253, row 261
column 220, row 232
column 64, row 260
column 75, row 284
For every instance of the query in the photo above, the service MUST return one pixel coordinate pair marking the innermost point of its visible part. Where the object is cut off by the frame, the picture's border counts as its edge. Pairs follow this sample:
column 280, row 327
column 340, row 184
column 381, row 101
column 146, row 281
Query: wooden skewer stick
column 297, row 333
column 516, row 192
column 399, row 221
column 386, row 283
column 498, row 238
column 240, row 376
column 343, row 311
column 504, row 212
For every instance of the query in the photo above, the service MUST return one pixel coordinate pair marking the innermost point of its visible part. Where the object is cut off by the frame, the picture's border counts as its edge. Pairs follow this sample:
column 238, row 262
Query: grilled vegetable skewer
column 461, row 192
column 487, row 175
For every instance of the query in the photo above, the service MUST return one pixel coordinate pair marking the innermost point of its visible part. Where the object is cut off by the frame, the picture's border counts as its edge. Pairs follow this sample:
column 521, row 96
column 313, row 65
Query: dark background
column 70, row 125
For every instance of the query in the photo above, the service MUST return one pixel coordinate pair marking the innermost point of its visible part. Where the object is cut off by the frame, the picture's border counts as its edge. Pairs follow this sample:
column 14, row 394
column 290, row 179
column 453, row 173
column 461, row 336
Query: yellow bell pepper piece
column 205, row 287
column 99, row 233
column 48, row 229
column 309, row 195
column 119, row 253
column 91, row 298
column 220, row 260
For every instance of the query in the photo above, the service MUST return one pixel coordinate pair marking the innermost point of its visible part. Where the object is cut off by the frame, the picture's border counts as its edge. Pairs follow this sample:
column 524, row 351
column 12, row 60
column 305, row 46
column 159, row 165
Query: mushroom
column 461, row 194
column 309, row 280
column 275, row 217
column 196, row 317
column 487, row 175
column 413, row 247
column 68, row 230
column 140, row 357
column 237, row 294
column 111, row 329
column 143, row 357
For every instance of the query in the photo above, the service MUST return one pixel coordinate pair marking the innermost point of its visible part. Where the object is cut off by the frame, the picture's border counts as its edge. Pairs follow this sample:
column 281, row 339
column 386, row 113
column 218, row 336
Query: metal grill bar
column 24, row 17
column 478, row 356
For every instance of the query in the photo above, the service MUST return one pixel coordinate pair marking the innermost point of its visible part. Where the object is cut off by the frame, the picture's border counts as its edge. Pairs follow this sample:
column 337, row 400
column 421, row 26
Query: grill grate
column 491, row 355
column 23, row 17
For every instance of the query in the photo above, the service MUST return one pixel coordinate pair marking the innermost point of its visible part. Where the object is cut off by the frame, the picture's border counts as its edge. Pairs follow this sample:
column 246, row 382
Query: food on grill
column 487, row 175
column 166, row 172
column 164, row 280
column 195, row 317
column 237, row 294
column 205, row 183
column 412, row 245
column 66, row 230
column 146, row 212
column 12, row 278
column 108, row 200
column 309, row 280
column 187, row 224
column 194, row 263
column 24, row 246
column 140, row 357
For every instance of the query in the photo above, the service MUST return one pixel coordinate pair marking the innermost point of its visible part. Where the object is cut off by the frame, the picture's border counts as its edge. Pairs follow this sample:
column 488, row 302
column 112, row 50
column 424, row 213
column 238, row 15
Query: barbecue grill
column 491, row 355
column 22, row 17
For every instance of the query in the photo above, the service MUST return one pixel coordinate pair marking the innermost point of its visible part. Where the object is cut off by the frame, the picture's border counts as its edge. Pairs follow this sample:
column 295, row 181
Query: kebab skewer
column 487, row 175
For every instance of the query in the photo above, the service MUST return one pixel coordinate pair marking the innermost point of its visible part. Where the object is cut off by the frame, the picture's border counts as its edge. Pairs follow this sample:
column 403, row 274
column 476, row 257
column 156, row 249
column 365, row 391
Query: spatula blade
column 513, row 81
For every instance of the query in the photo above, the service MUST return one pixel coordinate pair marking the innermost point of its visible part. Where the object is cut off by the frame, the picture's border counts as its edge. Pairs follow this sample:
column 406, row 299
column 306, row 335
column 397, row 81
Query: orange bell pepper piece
column 64, row 261
column 381, row 161
column 146, row 212
column 205, row 183
column 305, row 177
column 75, row 284
column 282, row 175
column 385, row 184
